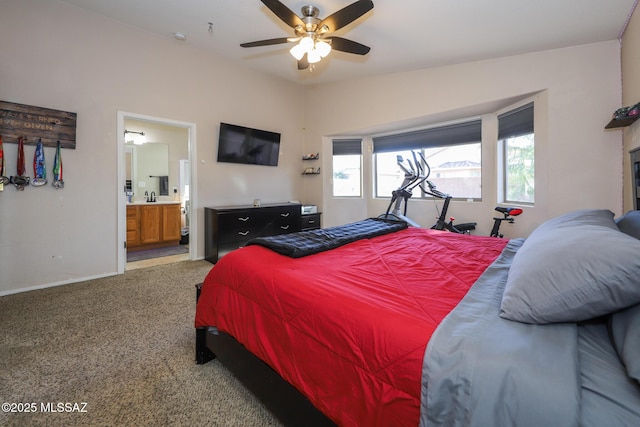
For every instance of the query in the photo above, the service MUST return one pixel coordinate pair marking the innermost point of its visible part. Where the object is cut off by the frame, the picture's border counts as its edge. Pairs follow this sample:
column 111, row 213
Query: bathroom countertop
column 157, row 202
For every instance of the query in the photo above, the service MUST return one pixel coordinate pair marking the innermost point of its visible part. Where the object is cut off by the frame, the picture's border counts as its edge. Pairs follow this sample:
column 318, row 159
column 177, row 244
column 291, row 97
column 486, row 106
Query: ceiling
column 403, row 34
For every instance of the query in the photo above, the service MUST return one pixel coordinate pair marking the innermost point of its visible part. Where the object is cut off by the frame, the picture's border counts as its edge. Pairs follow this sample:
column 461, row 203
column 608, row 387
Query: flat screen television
column 239, row 144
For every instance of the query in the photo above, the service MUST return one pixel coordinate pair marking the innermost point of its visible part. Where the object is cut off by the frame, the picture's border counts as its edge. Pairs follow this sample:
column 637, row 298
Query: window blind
column 343, row 147
column 516, row 122
column 455, row 134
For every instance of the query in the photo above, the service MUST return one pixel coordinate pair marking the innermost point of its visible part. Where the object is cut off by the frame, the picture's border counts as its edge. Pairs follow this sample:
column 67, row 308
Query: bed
column 406, row 326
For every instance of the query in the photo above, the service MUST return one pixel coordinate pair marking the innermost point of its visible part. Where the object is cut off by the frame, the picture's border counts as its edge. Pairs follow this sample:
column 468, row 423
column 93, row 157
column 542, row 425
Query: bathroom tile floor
column 157, row 261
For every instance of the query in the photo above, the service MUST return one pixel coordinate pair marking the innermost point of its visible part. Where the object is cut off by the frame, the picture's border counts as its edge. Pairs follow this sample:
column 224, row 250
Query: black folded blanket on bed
column 296, row 245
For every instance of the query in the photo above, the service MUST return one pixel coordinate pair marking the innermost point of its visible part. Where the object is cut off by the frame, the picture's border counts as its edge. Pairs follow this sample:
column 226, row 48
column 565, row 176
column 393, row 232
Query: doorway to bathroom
column 156, row 221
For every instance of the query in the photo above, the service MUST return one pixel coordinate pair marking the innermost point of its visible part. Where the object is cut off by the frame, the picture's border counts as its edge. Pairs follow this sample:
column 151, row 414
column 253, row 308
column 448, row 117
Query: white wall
column 630, row 96
column 578, row 164
column 57, row 56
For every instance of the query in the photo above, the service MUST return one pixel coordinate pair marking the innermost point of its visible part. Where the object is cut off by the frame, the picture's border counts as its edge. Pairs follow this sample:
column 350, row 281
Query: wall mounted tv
column 239, row 144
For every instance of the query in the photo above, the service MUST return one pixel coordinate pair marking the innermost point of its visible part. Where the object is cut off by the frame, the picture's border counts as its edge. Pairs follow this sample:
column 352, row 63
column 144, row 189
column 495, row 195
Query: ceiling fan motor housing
column 311, row 21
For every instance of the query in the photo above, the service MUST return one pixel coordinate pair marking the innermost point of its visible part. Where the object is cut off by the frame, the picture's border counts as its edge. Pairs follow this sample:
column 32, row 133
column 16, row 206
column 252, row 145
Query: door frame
column 122, row 198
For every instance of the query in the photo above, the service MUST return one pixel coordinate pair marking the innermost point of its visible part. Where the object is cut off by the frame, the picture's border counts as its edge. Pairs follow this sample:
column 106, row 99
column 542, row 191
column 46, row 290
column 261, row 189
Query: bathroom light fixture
column 137, row 138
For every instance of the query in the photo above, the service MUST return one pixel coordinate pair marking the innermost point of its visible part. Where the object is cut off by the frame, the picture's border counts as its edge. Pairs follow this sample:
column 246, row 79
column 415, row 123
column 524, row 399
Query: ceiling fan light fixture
column 306, row 43
column 313, row 56
column 323, row 48
column 297, row 51
column 310, row 31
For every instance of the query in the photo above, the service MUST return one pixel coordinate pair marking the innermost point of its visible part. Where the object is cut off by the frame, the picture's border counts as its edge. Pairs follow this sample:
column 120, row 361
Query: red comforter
column 347, row 327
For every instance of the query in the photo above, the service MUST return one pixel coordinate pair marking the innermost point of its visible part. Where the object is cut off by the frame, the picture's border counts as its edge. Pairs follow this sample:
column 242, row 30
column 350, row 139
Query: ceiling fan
column 312, row 33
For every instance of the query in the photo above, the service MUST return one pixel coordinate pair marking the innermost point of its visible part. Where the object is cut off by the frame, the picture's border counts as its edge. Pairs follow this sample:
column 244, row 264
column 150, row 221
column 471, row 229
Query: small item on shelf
column 311, row 171
column 311, row 156
column 620, row 113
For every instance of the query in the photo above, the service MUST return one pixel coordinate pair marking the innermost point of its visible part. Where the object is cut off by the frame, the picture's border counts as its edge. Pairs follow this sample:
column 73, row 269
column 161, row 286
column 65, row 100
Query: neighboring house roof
column 459, row 164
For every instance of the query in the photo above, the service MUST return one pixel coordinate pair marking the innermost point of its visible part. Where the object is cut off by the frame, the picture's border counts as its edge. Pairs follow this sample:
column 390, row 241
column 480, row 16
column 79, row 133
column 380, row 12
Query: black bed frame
column 284, row 401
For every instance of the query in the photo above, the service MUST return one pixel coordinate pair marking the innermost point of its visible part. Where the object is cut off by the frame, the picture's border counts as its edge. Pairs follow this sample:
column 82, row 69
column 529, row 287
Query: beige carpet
column 124, row 345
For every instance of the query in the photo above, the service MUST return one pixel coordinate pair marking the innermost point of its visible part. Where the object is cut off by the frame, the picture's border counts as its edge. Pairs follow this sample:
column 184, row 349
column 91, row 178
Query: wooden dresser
column 228, row 228
column 153, row 225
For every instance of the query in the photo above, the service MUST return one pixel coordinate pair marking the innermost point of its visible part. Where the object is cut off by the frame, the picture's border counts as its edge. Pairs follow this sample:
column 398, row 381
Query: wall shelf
column 620, row 123
column 311, row 171
column 624, row 116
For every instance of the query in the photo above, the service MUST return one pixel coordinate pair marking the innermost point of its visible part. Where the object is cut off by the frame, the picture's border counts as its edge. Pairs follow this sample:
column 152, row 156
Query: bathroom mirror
column 147, row 169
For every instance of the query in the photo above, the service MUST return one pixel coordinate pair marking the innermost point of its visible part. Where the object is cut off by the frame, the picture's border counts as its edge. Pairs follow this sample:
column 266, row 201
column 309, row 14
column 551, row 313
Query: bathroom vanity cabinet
column 153, row 225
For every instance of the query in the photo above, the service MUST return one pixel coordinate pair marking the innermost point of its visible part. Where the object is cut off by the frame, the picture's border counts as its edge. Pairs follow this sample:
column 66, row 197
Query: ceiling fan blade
column 303, row 63
column 283, row 12
column 349, row 46
column 347, row 15
column 267, row 42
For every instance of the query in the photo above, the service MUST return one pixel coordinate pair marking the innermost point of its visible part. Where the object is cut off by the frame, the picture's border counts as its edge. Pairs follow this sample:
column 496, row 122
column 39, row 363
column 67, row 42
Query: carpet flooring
column 124, row 345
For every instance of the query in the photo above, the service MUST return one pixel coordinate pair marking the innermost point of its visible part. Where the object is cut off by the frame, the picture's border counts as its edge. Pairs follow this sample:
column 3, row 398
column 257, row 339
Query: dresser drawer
column 285, row 221
column 310, row 221
column 237, row 220
column 239, row 235
column 236, row 226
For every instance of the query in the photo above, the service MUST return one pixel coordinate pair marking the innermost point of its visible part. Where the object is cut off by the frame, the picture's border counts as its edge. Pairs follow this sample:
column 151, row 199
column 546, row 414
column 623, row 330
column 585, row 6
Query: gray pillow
column 629, row 223
column 624, row 328
column 571, row 268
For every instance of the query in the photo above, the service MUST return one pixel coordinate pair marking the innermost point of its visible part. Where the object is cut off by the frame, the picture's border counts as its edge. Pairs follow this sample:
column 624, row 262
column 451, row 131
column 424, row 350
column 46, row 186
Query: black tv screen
column 239, row 144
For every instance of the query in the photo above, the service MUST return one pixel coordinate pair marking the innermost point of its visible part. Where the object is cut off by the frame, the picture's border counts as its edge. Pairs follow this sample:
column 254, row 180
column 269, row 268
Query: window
column 517, row 166
column 347, row 167
column 453, row 153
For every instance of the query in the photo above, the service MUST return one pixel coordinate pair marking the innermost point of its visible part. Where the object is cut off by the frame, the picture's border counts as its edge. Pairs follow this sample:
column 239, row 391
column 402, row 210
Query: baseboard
column 51, row 285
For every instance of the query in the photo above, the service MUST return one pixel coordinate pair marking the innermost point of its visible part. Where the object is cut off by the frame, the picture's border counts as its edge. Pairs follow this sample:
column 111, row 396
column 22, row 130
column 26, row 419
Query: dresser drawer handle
column 284, row 214
column 311, row 221
column 284, row 227
column 246, row 218
column 243, row 233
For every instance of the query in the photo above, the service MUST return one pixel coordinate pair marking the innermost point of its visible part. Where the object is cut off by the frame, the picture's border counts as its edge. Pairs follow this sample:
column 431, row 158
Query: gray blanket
column 482, row 370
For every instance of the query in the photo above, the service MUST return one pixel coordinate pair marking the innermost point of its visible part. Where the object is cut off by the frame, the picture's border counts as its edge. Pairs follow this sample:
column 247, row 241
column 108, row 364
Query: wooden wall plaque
column 34, row 123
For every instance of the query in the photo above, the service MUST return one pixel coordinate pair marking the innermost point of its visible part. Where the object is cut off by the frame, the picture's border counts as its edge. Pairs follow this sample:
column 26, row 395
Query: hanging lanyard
column 20, row 180
column 58, row 182
column 39, row 169
column 3, row 179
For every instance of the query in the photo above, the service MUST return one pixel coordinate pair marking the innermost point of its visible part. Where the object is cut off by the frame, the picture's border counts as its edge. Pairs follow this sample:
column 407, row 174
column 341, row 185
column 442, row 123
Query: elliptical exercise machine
column 415, row 175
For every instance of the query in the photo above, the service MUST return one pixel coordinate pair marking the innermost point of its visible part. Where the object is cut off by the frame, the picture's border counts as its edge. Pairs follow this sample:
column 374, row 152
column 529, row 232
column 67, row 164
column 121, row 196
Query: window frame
column 347, row 147
column 523, row 123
